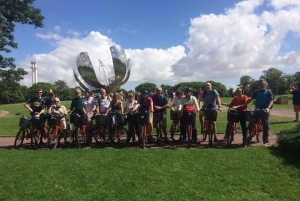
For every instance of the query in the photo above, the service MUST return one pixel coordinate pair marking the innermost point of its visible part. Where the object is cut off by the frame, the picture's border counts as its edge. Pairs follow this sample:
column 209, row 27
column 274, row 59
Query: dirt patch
column 3, row 113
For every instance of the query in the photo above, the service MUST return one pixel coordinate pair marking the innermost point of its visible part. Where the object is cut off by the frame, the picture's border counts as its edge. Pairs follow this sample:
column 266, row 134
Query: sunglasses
column 39, row 92
column 57, row 101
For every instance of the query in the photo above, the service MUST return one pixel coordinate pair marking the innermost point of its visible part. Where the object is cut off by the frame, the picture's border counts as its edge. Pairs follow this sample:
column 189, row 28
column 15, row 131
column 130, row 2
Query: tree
column 273, row 77
column 45, row 86
column 150, row 87
column 245, row 83
column 296, row 77
column 9, row 79
column 60, row 89
column 15, row 11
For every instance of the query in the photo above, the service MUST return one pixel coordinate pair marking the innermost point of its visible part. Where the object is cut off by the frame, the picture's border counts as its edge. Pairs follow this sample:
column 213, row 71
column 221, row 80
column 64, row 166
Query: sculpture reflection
column 86, row 77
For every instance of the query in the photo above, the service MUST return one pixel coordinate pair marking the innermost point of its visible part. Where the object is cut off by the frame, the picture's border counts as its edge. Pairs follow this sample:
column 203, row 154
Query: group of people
column 156, row 105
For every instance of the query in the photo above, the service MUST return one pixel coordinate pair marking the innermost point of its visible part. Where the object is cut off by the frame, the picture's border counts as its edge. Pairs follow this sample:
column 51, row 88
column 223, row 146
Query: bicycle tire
column 250, row 133
column 188, row 133
column 230, row 133
column 143, row 137
column 80, row 137
column 100, row 137
column 204, row 134
column 210, row 134
column 53, row 138
column 119, row 137
column 19, row 138
column 158, row 132
column 35, row 138
column 174, row 135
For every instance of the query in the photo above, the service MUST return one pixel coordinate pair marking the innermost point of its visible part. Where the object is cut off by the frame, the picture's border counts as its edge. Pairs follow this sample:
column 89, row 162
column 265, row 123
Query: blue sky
column 167, row 41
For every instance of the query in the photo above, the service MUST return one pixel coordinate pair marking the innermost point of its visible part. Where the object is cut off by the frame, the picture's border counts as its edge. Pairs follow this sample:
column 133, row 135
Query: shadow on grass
column 288, row 146
column 281, row 122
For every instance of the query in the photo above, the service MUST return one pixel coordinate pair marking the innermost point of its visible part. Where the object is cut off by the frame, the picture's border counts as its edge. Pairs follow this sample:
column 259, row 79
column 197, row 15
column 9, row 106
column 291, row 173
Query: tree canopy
column 15, row 11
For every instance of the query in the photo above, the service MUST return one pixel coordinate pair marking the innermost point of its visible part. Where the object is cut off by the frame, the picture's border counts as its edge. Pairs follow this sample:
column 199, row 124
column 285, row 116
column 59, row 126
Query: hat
column 51, row 94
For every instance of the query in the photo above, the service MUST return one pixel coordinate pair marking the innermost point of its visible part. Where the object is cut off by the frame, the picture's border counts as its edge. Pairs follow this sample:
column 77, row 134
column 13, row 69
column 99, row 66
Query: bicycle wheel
column 175, row 132
column 143, row 137
column 19, row 138
column 35, row 138
column 210, row 133
column 230, row 131
column 204, row 133
column 80, row 137
column 250, row 133
column 53, row 138
column 189, row 135
column 119, row 137
column 100, row 137
column 158, row 132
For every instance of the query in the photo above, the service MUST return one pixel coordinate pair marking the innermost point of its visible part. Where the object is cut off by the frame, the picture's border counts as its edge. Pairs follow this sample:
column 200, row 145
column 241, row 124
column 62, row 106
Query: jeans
column 265, row 116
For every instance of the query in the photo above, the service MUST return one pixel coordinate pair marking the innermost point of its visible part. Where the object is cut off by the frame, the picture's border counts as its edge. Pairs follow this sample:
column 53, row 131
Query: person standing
column 263, row 101
column 296, row 100
column 160, row 103
column 88, row 107
column 200, row 91
column 103, row 103
column 188, row 99
column 50, row 101
column 238, row 103
column 76, row 104
column 209, row 99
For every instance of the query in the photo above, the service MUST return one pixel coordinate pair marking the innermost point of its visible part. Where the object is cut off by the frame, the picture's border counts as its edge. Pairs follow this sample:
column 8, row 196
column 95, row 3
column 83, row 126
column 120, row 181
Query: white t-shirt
column 130, row 106
column 88, row 104
column 104, row 103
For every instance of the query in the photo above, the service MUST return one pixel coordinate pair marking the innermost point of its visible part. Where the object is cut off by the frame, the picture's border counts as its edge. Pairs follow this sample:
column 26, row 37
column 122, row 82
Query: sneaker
column 295, row 120
column 266, row 144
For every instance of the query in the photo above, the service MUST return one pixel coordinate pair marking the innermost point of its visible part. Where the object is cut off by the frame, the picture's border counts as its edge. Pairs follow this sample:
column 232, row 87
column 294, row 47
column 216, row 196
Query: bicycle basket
column 103, row 120
column 121, row 119
column 159, row 116
column 233, row 116
column 131, row 117
column 24, row 122
column 189, row 117
column 211, row 115
column 253, row 116
column 143, row 118
column 78, row 120
column 52, row 120
column 36, row 120
column 175, row 115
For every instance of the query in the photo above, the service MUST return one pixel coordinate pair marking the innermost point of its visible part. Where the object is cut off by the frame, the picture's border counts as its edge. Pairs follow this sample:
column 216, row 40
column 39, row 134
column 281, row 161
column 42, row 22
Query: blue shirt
column 296, row 96
column 209, row 99
column 159, row 101
column 49, row 102
column 263, row 98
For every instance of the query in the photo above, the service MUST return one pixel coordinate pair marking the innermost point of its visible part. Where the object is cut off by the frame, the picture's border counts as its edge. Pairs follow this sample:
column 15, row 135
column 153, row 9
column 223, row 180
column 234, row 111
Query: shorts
column 296, row 108
column 63, row 124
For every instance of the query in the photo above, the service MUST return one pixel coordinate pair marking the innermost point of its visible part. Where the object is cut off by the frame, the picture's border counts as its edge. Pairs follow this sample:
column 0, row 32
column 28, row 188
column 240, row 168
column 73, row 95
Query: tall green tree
column 60, row 89
column 273, row 76
column 296, row 77
column 15, row 11
column 245, row 83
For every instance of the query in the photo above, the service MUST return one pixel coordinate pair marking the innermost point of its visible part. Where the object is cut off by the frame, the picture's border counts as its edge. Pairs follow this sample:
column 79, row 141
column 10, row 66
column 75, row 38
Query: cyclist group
column 156, row 106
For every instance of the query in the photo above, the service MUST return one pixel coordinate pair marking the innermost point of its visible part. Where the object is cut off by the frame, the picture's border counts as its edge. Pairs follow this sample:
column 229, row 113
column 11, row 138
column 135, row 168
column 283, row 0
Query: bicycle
column 232, row 118
column 143, row 121
column 255, row 124
column 38, row 129
column 25, row 125
column 132, row 128
column 100, row 131
column 119, row 134
column 159, row 118
column 176, row 125
column 188, row 118
column 54, row 132
column 79, row 122
column 210, row 116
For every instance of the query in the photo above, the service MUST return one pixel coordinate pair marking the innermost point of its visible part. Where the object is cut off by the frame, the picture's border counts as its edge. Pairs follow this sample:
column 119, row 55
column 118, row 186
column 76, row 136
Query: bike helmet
column 188, row 89
column 144, row 92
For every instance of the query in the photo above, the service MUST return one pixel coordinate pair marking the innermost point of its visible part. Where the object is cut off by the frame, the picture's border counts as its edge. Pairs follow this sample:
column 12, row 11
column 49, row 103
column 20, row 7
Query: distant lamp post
column 34, row 71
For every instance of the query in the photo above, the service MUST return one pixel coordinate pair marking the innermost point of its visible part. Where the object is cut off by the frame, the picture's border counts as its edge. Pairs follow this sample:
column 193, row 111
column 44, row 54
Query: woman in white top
column 177, row 100
column 132, row 124
column 88, row 107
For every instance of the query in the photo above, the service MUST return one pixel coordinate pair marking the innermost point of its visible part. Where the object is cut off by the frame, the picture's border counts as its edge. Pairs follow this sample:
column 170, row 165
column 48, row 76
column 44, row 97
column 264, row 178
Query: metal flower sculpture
column 87, row 79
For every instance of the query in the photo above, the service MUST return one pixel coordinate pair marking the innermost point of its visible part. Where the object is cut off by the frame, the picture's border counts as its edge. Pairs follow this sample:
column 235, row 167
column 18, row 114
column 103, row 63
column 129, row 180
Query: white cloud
column 240, row 41
column 57, row 28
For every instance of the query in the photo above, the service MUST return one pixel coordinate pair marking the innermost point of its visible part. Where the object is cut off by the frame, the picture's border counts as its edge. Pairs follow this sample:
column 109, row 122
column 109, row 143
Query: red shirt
column 240, row 102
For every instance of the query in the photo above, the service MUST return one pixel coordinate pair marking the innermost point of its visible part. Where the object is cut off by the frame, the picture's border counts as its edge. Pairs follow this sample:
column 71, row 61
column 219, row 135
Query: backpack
column 189, row 108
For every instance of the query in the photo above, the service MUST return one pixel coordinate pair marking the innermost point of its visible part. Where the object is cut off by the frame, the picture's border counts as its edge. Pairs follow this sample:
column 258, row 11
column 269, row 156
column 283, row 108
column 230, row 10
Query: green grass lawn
column 151, row 174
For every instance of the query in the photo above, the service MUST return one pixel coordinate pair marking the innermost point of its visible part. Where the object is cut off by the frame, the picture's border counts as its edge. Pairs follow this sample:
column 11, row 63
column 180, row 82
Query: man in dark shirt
column 76, row 105
column 160, row 103
column 36, row 105
column 50, row 101
column 296, row 100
